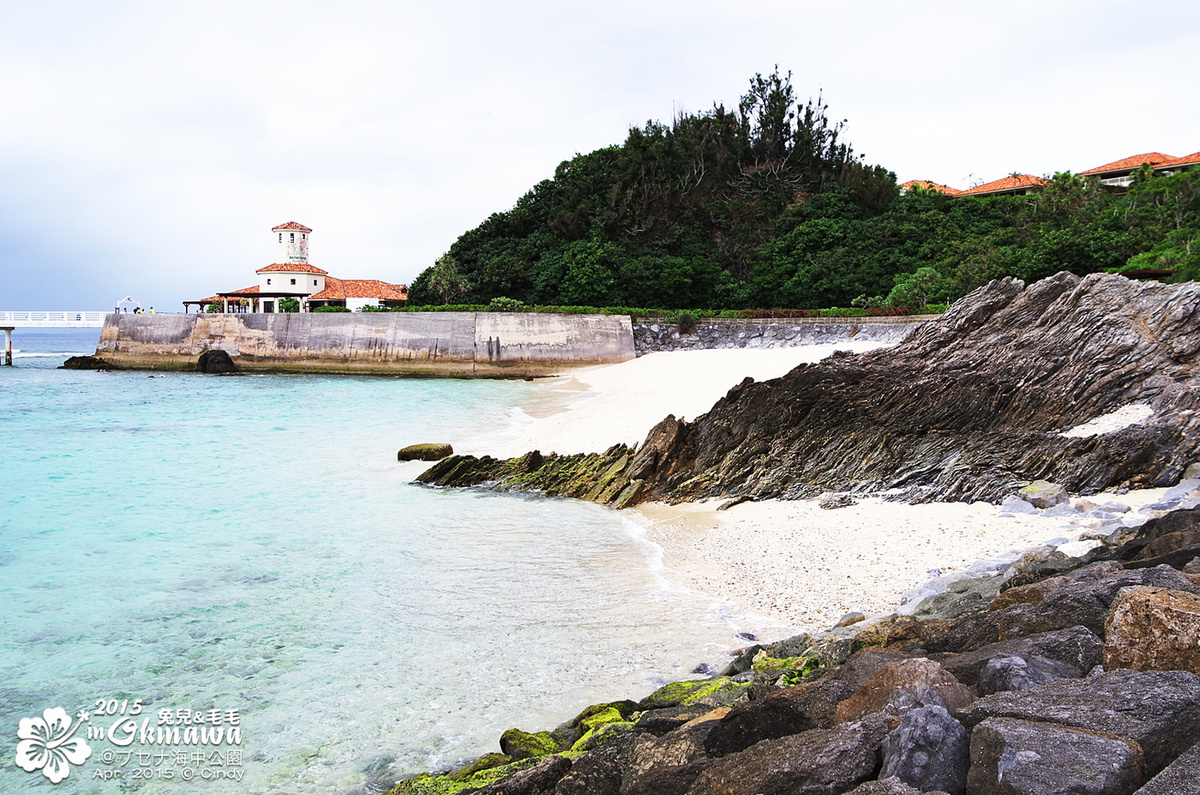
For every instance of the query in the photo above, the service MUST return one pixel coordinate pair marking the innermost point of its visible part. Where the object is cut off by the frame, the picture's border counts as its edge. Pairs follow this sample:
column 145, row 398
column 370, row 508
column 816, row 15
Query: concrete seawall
column 446, row 344
column 651, row 335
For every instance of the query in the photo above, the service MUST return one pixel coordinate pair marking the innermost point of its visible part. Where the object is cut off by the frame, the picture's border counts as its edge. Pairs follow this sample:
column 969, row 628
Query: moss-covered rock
column 485, row 762
column 683, row 694
column 599, row 734
column 608, row 712
column 764, row 663
column 598, row 477
column 458, row 781
column 523, row 745
column 425, row 452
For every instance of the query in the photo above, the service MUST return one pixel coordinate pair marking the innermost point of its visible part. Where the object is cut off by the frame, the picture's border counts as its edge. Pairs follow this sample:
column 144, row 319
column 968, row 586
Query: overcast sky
column 148, row 147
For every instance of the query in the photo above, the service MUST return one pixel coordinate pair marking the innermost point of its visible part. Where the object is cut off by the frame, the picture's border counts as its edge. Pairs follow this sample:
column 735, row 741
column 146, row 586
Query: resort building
column 299, row 285
column 1115, row 176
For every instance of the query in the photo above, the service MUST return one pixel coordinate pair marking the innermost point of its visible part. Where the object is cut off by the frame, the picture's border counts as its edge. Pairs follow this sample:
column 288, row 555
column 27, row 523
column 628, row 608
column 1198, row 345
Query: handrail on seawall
column 53, row 318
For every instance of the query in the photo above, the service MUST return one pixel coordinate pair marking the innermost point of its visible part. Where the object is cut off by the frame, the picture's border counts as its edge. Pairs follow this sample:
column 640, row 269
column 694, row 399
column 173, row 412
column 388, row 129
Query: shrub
column 686, row 322
column 331, row 309
column 502, row 304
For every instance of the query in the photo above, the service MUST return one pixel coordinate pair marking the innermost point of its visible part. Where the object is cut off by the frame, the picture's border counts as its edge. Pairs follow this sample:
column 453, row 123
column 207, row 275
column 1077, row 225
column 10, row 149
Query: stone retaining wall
column 442, row 344
column 651, row 335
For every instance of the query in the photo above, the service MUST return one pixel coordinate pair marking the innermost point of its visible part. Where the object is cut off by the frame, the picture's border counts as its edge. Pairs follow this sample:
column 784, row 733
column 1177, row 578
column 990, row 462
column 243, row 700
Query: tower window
column 291, row 237
column 314, row 282
column 293, row 281
column 268, row 281
column 281, row 237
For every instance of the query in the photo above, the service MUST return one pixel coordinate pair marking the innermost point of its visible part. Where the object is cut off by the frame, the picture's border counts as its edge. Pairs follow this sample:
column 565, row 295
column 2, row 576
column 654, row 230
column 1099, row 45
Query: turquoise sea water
column 250, row 543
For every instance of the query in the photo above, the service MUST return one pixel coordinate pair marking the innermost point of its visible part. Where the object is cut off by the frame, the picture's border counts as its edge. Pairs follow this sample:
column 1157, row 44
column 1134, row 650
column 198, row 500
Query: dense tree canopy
column 768, row 206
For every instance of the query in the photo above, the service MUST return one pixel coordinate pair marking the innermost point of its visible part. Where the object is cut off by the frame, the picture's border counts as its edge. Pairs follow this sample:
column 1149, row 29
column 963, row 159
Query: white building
column 293, row 278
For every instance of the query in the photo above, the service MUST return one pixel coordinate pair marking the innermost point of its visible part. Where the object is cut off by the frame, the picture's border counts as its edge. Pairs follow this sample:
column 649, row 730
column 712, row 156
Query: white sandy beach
column 790, row 561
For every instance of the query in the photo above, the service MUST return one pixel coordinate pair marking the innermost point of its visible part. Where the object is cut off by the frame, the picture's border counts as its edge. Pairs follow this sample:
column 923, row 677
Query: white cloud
column 148, row 147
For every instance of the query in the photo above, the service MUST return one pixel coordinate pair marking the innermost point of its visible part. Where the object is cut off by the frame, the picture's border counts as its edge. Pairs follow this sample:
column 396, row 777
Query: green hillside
column 767, row 206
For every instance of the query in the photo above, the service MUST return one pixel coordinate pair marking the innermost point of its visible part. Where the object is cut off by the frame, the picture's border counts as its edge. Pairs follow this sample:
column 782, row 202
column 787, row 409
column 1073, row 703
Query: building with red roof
column 1012, row 185
column 924, row 184
column 1116, row 176
column 1119, row 173
column 292, row 276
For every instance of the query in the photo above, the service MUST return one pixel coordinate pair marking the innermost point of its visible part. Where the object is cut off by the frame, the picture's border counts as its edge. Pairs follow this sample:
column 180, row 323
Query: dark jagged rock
column 825, row 761
column 970, row 406
column 782, row 713
column 599, row 771
column 666, row 780
column 215, row 361
column 87, row 363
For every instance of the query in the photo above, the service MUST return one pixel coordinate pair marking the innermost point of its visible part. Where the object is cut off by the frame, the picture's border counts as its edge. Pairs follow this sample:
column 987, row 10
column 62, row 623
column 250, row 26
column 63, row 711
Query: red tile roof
column 1129, row 163
column 341, row 289
column 1008, row 183
column 291, row 267
column 291, row 225
column 925, row 184
column 1186, row 160
column 216, row 299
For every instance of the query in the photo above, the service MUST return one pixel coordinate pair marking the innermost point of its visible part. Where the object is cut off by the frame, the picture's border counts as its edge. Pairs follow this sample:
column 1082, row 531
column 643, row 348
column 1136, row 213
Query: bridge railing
column 66, row 318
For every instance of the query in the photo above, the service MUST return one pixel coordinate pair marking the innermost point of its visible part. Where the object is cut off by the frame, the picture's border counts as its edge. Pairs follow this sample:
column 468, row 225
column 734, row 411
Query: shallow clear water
column 250, row 543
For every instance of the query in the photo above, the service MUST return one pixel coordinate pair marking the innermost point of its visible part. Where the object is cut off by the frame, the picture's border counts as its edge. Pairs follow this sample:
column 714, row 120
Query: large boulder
column 1160, row 710
column 1074, row 646
column 865, row 663
column 929, row 750
column 1016, row 757
column 537, row 780
column 820, row 762
column 1072, row 605
column 889, row 786
column 1153, row 629
column 665, row 780
column 791, row 710
column 598, row 772
column 907, row 675
column 684, row 746
column 87, row 363
column 1035, row 593
column 215, row 361
column 1041, row 494
column 1006, row 672
column 1179, row 778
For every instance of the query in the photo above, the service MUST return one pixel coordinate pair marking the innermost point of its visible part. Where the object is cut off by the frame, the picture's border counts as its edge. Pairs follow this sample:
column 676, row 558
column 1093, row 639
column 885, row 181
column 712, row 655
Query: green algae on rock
column 428, row 451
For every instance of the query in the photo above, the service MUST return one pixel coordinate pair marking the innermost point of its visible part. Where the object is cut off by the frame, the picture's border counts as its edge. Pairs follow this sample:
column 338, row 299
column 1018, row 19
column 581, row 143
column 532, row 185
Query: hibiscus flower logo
column 47, row 744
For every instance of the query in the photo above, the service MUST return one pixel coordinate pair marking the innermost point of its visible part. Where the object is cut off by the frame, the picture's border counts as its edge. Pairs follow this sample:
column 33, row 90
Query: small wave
column 19, row 355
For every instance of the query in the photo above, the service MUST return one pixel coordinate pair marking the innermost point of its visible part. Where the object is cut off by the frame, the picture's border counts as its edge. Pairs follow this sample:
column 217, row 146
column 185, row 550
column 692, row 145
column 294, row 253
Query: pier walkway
column 10, row 320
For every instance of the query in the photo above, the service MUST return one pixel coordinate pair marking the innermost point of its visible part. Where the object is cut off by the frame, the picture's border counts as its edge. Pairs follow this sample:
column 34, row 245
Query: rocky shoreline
column 1046, row 674
column 997, row 392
